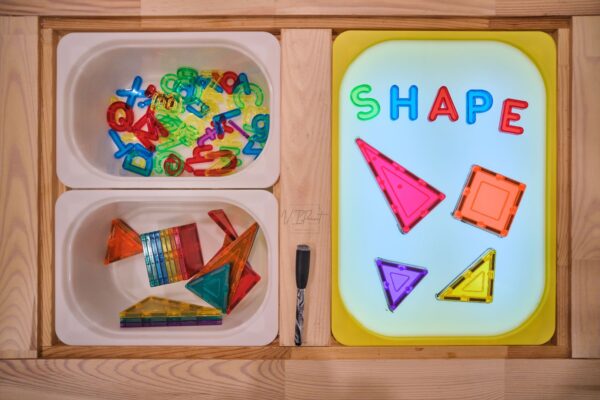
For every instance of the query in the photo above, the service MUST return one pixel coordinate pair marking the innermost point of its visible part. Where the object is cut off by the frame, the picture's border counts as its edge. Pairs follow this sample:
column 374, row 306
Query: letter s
column 369, row 102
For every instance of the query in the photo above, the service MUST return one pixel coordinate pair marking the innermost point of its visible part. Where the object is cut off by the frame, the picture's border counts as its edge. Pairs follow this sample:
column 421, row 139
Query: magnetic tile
column 190, row 247
column 476, row 283
column 122, row 242
column 398, row 280
column 489, row 201
column 236, row 254
column 249, row 277
column 158, row 258
column 212, row 287
column 150, row 260
column 410, row 197
column 158, row 307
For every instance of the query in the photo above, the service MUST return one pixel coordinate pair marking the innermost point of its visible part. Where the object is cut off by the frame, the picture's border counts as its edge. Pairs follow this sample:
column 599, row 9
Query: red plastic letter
column 443, row 105
column 508, row 115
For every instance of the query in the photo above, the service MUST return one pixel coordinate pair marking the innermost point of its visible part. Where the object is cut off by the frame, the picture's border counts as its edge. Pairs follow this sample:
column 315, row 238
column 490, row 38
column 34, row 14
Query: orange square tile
column 489, row 201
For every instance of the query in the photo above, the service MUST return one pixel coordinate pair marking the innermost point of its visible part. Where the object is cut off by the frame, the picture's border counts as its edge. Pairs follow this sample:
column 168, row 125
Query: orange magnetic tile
column 236, row 254
column 489, row 201
column 123, row 242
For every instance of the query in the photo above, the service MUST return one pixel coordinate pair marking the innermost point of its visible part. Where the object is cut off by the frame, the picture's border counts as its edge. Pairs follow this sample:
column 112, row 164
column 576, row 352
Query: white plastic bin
column 91, row 66
column 89, row 295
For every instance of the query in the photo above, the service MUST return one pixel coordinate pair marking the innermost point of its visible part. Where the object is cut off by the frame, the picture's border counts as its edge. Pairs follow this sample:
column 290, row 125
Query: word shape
column 477, row 101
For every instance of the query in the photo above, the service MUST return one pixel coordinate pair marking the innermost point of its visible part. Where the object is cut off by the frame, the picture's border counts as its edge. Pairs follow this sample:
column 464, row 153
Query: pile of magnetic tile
column 227, row 277
column 175, row 254
column 157, row 311
column 171, row 254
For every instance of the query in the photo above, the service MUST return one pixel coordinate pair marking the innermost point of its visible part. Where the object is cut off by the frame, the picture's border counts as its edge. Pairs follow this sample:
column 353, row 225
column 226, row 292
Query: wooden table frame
column 30, row 335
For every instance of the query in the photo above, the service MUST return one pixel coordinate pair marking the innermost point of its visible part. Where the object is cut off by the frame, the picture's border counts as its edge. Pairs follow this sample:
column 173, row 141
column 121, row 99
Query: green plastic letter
column 369, row 102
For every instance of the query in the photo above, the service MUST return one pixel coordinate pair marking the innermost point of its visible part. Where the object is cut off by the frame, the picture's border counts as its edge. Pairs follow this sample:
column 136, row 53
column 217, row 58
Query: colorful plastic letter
column 139, row 160
column 228, row 81
column 411, row 102
column 133, row 93
column 243, row 82
column 370, row 103
column 250, row 150
column 122, row 148
column 508, row 115
column 153, row 129
column 220, row 119
column 475, row 107
column 119, row 116
column 173, row 165
column 254, row 88
column 443, row 105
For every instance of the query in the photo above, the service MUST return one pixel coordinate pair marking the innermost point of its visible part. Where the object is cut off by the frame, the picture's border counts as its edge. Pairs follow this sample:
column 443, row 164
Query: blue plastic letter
column 122, row 148
column 411, row 102
column 473, row 107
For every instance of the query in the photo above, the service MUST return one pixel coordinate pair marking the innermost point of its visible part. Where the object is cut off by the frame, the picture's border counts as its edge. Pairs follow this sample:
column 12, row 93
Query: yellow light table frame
column 540, row 325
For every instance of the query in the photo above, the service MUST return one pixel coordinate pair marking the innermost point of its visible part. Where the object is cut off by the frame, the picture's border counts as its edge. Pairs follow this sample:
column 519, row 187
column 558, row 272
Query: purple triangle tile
column 398, row 280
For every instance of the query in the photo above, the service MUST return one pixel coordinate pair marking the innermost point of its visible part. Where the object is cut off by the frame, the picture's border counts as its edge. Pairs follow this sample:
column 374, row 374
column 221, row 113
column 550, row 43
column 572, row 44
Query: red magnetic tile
column 190, row 247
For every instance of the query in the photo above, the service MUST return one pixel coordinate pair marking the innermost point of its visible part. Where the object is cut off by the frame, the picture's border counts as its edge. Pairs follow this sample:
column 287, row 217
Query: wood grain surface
column 140, row 379
column 18, row 186
column 586, row 188
column 49, row 187
column 563, row 188
column 275, row 24
column 70, row 7
column 293, row 379
column 304, row 187
column 54, row 28
column 356, row 8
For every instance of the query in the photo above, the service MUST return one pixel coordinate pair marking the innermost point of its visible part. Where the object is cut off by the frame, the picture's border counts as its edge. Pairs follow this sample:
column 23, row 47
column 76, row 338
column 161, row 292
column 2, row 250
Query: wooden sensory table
column 36, row 364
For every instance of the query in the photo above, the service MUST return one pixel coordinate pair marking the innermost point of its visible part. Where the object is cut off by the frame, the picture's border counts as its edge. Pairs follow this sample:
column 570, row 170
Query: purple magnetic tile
column 398, row 280
column 170, row 323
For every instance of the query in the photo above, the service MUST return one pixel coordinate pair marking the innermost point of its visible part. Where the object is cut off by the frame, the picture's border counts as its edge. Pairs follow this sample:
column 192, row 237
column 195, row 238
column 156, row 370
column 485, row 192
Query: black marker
column 302, row 267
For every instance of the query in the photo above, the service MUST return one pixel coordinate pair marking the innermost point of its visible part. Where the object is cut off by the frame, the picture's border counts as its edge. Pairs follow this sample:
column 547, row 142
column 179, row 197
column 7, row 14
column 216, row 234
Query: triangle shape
column 123, row 242
column 398, row 280
column 248, row 280
column 154, row 306
column 474, row 284
column 213, row 287
column 249, row 277
column 236, row 254
column 158, row 311
column 410, row 197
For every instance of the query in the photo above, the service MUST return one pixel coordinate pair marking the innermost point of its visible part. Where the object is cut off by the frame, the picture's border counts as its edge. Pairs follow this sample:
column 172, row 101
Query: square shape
column 489, row 201
column 393, row 89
